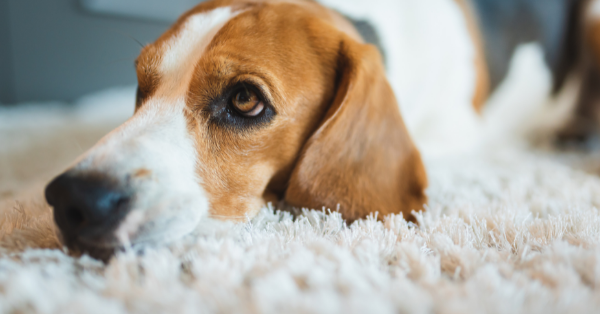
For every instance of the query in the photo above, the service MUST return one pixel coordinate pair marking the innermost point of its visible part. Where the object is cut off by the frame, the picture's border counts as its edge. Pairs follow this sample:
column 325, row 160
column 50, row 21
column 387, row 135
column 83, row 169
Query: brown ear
column 361, row 157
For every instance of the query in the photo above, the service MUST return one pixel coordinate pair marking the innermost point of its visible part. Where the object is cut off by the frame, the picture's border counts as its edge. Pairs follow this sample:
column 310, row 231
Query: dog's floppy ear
column 361, row 158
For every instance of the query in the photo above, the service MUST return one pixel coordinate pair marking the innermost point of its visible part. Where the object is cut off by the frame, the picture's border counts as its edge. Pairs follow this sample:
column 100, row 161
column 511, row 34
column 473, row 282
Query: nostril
column 74, row 217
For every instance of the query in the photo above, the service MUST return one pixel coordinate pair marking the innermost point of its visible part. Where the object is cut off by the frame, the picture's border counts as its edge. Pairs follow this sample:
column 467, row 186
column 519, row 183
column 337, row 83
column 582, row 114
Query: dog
column 242, row 103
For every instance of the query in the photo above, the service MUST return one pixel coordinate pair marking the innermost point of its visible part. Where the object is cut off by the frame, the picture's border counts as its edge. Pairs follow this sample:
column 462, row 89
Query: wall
column 59, row 52
column 6, row 71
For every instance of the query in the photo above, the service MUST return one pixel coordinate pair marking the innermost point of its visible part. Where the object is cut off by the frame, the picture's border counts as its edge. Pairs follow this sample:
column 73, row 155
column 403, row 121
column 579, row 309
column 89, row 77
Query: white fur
column 169, row 202
column 431, row 66
column 185, row 49
column 156, row 139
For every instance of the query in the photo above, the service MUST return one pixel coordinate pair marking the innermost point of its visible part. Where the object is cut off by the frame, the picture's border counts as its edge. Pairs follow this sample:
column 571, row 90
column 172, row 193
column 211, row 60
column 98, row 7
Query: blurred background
column 60, row 50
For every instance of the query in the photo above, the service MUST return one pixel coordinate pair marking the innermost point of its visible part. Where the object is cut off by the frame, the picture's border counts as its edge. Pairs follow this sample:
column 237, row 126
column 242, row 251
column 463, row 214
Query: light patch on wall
column 160, row 10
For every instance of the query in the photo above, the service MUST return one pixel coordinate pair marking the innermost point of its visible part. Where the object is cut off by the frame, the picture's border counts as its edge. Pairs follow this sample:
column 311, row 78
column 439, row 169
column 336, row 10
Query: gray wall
column 52, row 50
column 6, row 75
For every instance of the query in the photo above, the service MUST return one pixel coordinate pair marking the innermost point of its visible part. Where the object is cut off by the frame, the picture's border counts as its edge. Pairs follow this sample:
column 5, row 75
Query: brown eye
column 248, row 103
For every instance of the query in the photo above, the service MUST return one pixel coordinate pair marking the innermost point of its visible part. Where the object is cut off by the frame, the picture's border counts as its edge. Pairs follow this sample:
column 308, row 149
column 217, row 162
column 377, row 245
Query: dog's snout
column 86, row 207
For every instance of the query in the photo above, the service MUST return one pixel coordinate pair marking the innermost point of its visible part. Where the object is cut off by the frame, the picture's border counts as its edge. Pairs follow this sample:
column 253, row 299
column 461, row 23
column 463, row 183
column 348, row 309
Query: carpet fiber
column 511, row 229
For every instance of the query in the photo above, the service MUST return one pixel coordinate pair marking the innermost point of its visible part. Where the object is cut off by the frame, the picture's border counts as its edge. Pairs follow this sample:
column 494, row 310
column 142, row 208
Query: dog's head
column 239, row 104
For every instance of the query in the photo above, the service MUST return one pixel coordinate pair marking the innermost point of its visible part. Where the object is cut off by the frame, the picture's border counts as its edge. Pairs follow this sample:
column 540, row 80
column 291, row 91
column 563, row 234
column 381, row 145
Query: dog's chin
column 102, row 253
column 105, row 248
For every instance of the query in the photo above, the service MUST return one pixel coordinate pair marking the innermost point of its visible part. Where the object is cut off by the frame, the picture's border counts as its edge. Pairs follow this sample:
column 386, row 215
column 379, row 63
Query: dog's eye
column 246, row 102
column 243, row 106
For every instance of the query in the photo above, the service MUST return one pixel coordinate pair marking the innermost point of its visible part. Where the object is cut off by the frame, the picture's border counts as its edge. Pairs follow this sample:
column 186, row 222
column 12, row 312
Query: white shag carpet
column 511, row 229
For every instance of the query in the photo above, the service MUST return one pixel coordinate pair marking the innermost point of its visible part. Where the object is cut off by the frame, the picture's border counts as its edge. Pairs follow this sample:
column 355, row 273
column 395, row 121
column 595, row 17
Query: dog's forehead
column 174, row 55
column 189, row 43
column 166, row 67
column 185, row 41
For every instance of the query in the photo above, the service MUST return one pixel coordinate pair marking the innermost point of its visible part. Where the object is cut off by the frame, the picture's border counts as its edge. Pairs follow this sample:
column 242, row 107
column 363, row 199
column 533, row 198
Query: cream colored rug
column 511, row 229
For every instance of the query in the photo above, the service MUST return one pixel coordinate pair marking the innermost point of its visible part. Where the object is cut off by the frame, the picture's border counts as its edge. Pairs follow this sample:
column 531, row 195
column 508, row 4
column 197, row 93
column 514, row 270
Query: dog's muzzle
column 138, row 185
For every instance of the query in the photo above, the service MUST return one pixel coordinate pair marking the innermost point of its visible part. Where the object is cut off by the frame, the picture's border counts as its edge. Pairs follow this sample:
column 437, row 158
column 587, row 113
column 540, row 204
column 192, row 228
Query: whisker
column 137, row 41
column 129, row 36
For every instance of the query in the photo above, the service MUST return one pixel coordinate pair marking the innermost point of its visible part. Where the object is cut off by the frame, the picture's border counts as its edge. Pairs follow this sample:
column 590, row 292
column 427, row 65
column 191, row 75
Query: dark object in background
column 559, row 26
column 506, row 24
column 369, row 34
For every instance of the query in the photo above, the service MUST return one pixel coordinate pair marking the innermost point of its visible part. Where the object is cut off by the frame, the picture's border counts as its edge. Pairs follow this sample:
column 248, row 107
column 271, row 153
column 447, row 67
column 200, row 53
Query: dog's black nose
column 86, row 207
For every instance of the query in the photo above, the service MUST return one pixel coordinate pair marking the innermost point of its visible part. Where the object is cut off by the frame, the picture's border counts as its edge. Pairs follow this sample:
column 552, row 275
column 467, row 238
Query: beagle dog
column 242, row 103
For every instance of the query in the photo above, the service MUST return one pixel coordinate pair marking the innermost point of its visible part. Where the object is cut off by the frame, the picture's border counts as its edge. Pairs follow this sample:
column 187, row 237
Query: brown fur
column 337, row 137
column 362, row 157
column 482, row 88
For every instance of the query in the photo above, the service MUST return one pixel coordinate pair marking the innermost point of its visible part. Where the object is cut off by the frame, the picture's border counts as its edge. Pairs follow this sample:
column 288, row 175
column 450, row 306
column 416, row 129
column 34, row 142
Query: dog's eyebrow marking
column 183, row 51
